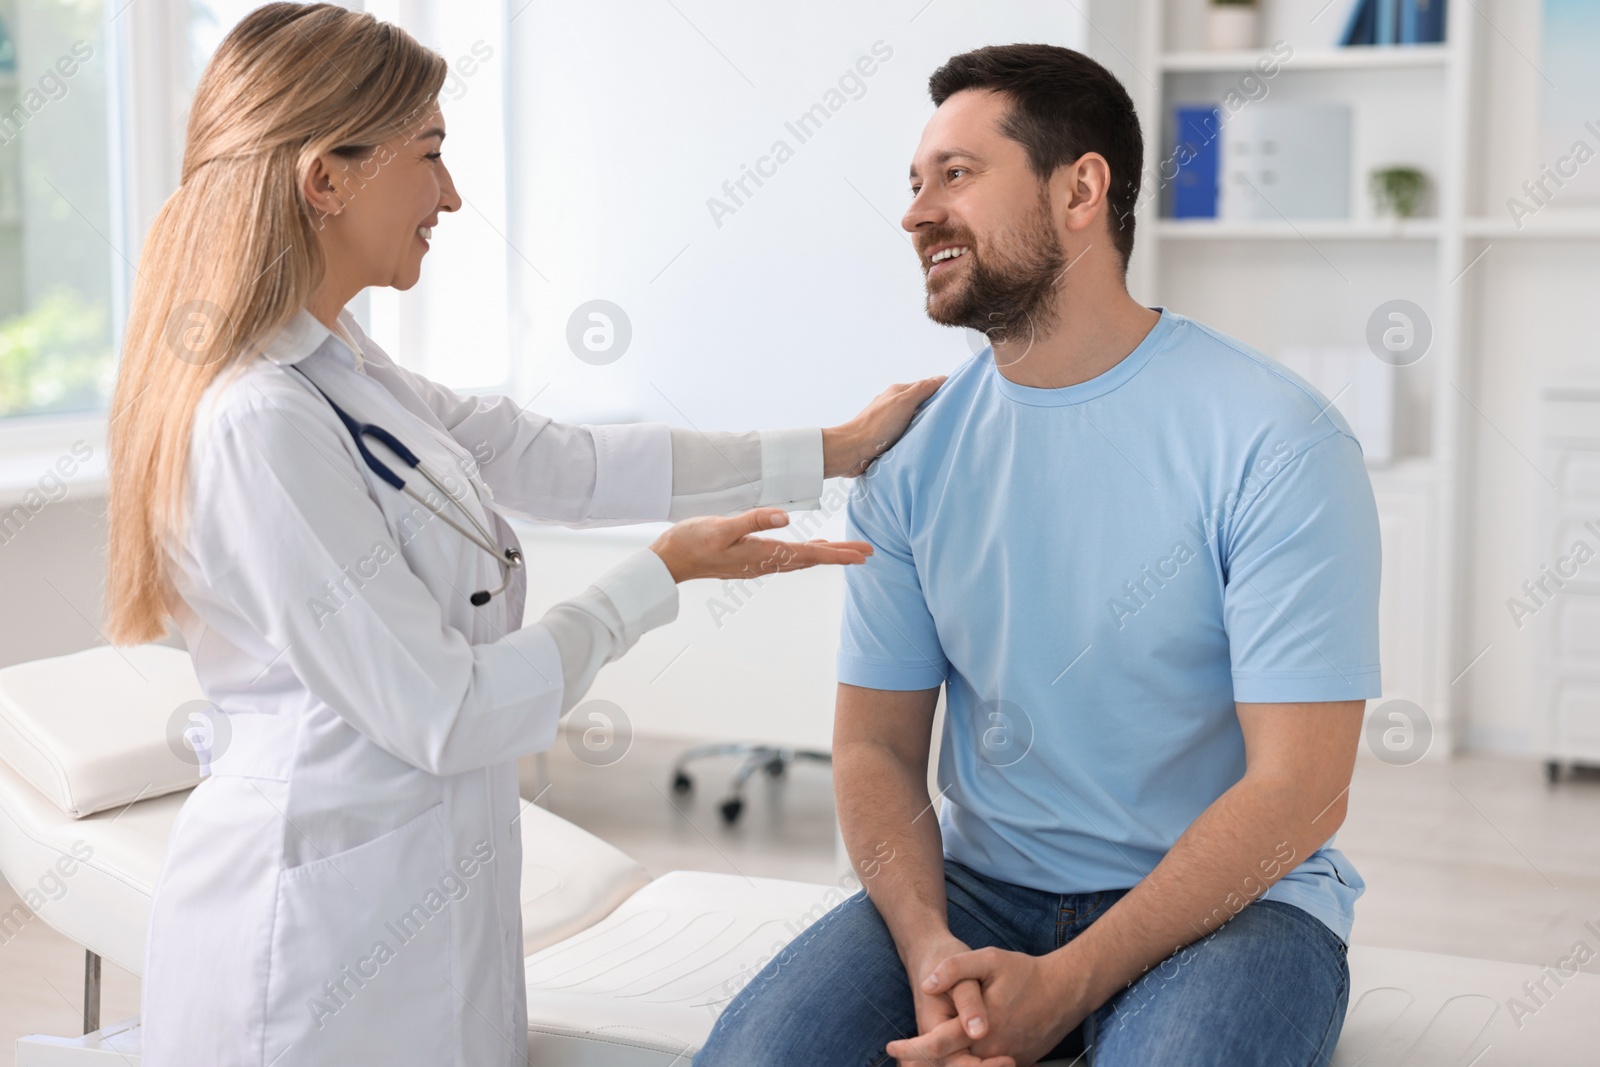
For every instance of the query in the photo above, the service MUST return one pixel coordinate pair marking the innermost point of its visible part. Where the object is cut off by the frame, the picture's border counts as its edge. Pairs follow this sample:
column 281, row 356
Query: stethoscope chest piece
column 511, row 562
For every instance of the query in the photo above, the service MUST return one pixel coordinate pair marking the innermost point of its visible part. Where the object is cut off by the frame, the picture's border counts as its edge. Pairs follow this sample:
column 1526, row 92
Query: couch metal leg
column 91, row 992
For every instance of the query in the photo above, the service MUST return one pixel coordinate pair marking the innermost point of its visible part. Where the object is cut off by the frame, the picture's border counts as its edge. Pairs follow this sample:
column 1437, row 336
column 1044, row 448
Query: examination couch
column 622, row 970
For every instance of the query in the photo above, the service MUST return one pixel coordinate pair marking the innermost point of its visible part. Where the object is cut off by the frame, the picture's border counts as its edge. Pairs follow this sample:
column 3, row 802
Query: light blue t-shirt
column 1096, row 573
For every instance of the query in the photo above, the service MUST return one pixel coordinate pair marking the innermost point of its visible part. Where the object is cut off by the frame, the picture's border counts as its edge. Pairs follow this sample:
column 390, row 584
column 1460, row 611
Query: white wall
column 805, row 301
column 52, row 577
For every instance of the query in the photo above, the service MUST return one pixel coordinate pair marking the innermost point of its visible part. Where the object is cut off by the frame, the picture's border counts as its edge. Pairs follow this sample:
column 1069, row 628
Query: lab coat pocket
column 360, row 954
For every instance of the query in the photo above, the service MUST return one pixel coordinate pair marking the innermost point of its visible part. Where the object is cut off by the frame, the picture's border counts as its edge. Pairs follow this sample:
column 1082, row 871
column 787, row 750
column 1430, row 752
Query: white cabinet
column 1563, row 592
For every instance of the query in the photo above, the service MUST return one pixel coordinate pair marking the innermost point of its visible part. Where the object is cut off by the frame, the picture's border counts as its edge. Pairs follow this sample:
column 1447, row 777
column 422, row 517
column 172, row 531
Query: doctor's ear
column 320, row 186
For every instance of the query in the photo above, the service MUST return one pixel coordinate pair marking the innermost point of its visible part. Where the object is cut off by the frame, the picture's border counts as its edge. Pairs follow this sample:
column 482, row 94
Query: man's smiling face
column 982, row 221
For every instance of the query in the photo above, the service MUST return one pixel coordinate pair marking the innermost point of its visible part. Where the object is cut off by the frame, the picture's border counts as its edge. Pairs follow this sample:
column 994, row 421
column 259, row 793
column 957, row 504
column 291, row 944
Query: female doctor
column 325, row 529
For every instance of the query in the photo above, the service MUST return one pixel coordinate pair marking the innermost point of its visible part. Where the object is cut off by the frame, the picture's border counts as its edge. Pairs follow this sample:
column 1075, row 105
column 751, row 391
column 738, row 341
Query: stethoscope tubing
column 509, row 559
column 482, row 538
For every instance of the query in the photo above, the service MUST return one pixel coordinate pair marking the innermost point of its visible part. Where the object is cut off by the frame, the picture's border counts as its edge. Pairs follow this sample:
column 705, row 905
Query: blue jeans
column 1269, row 987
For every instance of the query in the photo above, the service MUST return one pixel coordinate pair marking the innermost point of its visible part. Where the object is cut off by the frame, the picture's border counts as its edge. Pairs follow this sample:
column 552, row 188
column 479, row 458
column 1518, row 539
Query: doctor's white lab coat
column 344, row 886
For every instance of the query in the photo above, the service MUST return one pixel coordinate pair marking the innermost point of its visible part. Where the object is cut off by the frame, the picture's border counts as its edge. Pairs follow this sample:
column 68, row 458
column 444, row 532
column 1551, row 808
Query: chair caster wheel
column 774, row 768
column 731, row 809
column 682, row 783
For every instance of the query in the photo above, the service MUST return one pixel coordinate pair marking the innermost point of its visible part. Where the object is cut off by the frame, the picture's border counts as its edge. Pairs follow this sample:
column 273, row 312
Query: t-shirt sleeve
column 1301, row 599
column 888, row 639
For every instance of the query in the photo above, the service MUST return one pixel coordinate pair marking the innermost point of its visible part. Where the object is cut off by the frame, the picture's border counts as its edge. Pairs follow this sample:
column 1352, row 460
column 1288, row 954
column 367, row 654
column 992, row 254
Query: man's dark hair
column 1062, row 104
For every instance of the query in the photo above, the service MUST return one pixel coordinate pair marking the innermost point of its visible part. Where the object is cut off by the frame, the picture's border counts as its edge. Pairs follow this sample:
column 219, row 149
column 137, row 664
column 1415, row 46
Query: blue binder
column 1194, row 189
column 1422, row 21
column 1362, row 27
column 1388, row 22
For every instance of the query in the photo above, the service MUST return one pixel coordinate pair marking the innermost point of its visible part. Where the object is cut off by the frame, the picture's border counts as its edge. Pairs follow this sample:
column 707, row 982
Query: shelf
column 1544, row 226
column 1298, row 229
column 1353, row 58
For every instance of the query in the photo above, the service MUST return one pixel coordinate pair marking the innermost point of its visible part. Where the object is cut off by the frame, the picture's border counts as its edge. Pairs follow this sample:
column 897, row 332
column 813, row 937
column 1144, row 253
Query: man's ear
column 1082, row 190
column 320, row 185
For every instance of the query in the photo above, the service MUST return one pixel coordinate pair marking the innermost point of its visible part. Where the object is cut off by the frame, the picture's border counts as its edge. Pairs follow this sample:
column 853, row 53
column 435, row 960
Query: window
column 58, row 266
column 94, row 96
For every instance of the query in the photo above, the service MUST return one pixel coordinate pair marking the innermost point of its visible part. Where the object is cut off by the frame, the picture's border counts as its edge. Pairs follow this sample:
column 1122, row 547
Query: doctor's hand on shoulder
column 848, row 449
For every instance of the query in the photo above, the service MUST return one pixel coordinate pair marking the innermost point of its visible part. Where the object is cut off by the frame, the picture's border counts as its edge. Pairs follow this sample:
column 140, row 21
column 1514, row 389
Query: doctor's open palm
column 711, row 546
column 721, row 547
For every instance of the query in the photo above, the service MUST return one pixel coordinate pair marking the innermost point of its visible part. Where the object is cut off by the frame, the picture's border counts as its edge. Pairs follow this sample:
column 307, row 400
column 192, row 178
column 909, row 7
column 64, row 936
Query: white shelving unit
column 1553, row 226
column 1310, row 59
column 1316, row 281
column 1298, row 230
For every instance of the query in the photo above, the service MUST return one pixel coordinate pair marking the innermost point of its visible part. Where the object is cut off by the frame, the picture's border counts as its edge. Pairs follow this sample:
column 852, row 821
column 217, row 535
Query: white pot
column 1231, row 27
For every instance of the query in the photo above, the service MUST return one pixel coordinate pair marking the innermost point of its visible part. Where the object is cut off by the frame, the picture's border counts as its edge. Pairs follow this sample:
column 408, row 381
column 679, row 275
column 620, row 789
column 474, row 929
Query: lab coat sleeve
column 725, row 473
column 287, row 537
column 582, row 475
column 599, row 624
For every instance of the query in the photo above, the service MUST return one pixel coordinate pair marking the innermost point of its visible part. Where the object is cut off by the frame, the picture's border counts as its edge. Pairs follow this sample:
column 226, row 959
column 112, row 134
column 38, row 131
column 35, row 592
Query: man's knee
column 810, row 1003
column 1268, row 987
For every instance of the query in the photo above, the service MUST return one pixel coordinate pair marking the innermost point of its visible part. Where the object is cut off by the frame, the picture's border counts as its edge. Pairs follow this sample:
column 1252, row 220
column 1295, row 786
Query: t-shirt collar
column 1100, row 384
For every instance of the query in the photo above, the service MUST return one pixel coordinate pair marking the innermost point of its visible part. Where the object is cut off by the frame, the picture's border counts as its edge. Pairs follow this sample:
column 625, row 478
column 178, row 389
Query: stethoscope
column 509, row 559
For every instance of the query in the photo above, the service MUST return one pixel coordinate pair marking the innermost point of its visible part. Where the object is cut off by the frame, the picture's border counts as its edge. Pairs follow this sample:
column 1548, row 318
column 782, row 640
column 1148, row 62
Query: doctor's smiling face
column 377, row 206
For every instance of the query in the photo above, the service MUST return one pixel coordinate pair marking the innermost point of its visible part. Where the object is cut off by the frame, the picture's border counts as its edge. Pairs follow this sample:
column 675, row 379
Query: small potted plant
column 1232, row 24
column 1398, row 191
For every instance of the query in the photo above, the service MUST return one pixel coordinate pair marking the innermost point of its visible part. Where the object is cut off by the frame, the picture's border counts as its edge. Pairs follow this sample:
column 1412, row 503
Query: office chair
column 774, row 759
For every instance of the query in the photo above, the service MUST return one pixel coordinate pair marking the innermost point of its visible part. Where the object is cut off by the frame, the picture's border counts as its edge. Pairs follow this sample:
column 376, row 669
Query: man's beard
column 1009, row 293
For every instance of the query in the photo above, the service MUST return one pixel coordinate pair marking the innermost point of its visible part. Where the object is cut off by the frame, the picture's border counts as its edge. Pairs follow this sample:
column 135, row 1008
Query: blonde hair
column 233, row 254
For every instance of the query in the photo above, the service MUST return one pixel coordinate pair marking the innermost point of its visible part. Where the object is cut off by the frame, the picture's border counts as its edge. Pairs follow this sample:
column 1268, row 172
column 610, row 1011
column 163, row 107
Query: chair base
column 117, row 1044
column 774, row 759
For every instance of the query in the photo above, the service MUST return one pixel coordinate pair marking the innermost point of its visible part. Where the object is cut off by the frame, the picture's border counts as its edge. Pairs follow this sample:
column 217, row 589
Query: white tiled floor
column 1476, row 857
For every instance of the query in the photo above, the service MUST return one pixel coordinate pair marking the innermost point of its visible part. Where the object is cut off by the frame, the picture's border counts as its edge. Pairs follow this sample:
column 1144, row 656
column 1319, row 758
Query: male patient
column 1142, row 559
